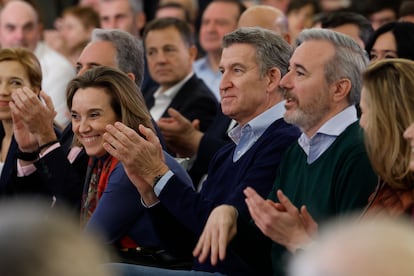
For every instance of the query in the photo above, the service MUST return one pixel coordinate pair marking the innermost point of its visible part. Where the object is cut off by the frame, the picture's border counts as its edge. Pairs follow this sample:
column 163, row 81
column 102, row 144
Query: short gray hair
column 271, row 49
column 349, row 60
column 129, row 51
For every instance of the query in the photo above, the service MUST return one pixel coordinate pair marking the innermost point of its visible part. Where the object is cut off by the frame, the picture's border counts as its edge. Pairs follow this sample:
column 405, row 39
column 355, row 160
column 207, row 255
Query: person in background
column 170, row 52
column 406, row 13
column 378, row 12
column 20, row 27
column 219, row 18
column 350, row 23
column 392, row 40
column 19, row 69
column 300, row 15
column 75, row 29
column 175, row 10
column 267, row 17
column 126, row 15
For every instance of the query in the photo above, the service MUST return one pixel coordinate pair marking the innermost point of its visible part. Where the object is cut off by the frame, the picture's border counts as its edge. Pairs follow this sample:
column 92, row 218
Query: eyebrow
column 300, row 66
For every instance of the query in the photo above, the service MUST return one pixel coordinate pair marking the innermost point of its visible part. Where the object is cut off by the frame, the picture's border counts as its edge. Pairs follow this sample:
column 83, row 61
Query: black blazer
column 213, row 139
column 193, row 101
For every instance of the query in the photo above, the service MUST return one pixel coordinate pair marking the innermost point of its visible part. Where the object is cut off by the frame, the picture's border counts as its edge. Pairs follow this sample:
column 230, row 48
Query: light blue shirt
column 245, row 136
column 327, row 133
column 212, row 79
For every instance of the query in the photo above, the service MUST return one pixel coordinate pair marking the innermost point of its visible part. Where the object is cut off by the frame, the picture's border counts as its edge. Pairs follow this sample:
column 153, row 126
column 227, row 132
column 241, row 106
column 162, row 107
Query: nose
column 81, row 70
column 225, row 82
column 83, row 126
column 408, row 133
column 4, row 90
column 286, row 82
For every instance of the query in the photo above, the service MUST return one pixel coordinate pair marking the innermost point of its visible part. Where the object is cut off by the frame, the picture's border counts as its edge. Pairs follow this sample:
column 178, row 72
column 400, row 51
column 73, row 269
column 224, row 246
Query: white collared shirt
column 162, row 100
column 316, row 145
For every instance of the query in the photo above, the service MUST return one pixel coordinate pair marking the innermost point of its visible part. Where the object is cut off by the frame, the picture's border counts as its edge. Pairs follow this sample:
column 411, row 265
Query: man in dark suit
column 170, row 52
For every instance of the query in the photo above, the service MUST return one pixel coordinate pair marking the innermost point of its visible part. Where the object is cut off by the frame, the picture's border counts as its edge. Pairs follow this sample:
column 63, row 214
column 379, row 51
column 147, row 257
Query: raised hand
column 143, row 158
column 37, row 116
column 284, row 227
column 181, row 135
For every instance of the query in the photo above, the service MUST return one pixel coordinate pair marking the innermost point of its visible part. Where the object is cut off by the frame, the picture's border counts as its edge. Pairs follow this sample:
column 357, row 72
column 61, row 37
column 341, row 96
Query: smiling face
column 91, row 112
column 306, row 89
column 13, row 76
column 244, row 94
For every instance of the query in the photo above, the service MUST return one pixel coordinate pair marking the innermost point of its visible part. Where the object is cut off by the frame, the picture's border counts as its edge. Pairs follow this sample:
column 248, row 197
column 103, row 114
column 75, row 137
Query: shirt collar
column 172, row 91
column 260, row 123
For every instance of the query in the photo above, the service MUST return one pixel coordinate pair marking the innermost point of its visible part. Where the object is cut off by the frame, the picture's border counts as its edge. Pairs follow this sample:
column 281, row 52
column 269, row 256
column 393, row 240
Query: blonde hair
column 29, row 62
column 389, row 95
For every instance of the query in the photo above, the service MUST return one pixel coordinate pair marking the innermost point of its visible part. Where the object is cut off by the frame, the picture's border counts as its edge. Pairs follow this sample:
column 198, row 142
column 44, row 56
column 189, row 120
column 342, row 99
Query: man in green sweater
column 327, row 170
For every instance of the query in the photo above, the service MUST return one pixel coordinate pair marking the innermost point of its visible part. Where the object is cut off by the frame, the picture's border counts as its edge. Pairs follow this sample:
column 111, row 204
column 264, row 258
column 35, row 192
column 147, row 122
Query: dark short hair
column 163, row 23
column 404, row 37
column 338, row 18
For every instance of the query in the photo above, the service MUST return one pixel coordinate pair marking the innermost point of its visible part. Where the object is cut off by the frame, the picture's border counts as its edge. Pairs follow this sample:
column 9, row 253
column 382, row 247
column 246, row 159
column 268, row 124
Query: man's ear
column 274, row 75
column 193, row 52
column 140, row 21
column 131, row 76
column 341, row 89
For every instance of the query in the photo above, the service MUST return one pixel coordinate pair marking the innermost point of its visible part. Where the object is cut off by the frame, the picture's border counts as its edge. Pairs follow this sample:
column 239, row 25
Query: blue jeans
column 122, row 269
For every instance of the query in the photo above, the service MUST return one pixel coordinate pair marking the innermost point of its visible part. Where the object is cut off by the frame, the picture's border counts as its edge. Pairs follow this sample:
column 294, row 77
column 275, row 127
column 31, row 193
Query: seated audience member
column 218, row 18
column 19, row 69
column 267, row 17
column 406, row 13
column 109, row 202
column 379, row 12
column 49, row 241
column 20, row 27
column 175, row 10
column 377, row 246
column 170, row 53
column 75, row 29
column 327, row 170
column 355, row 25
column 300, row 15
column 392, row 40
column 126, row 15
column 253, row 59
column 114, row 48
column 184, row 137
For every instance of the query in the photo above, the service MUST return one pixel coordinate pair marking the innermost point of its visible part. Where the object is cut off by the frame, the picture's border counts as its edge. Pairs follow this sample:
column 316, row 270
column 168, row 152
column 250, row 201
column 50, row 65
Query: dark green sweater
column 339, row 181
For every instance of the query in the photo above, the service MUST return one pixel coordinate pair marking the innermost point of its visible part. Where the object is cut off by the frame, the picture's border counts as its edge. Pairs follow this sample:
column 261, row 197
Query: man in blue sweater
column 327, row 170
column 253, row 63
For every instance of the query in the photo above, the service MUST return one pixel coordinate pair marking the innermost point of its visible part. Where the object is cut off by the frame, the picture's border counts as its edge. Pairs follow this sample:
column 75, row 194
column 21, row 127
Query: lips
column 4, row 103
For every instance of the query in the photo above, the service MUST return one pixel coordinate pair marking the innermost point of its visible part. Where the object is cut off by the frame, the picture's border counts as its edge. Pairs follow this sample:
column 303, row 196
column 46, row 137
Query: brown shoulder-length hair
column 389, row 94
column 29, row 62
column 126, row 99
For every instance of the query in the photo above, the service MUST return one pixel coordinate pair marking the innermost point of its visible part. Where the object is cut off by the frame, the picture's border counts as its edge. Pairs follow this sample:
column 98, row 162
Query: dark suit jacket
column 213, row 139
column 193, row 101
